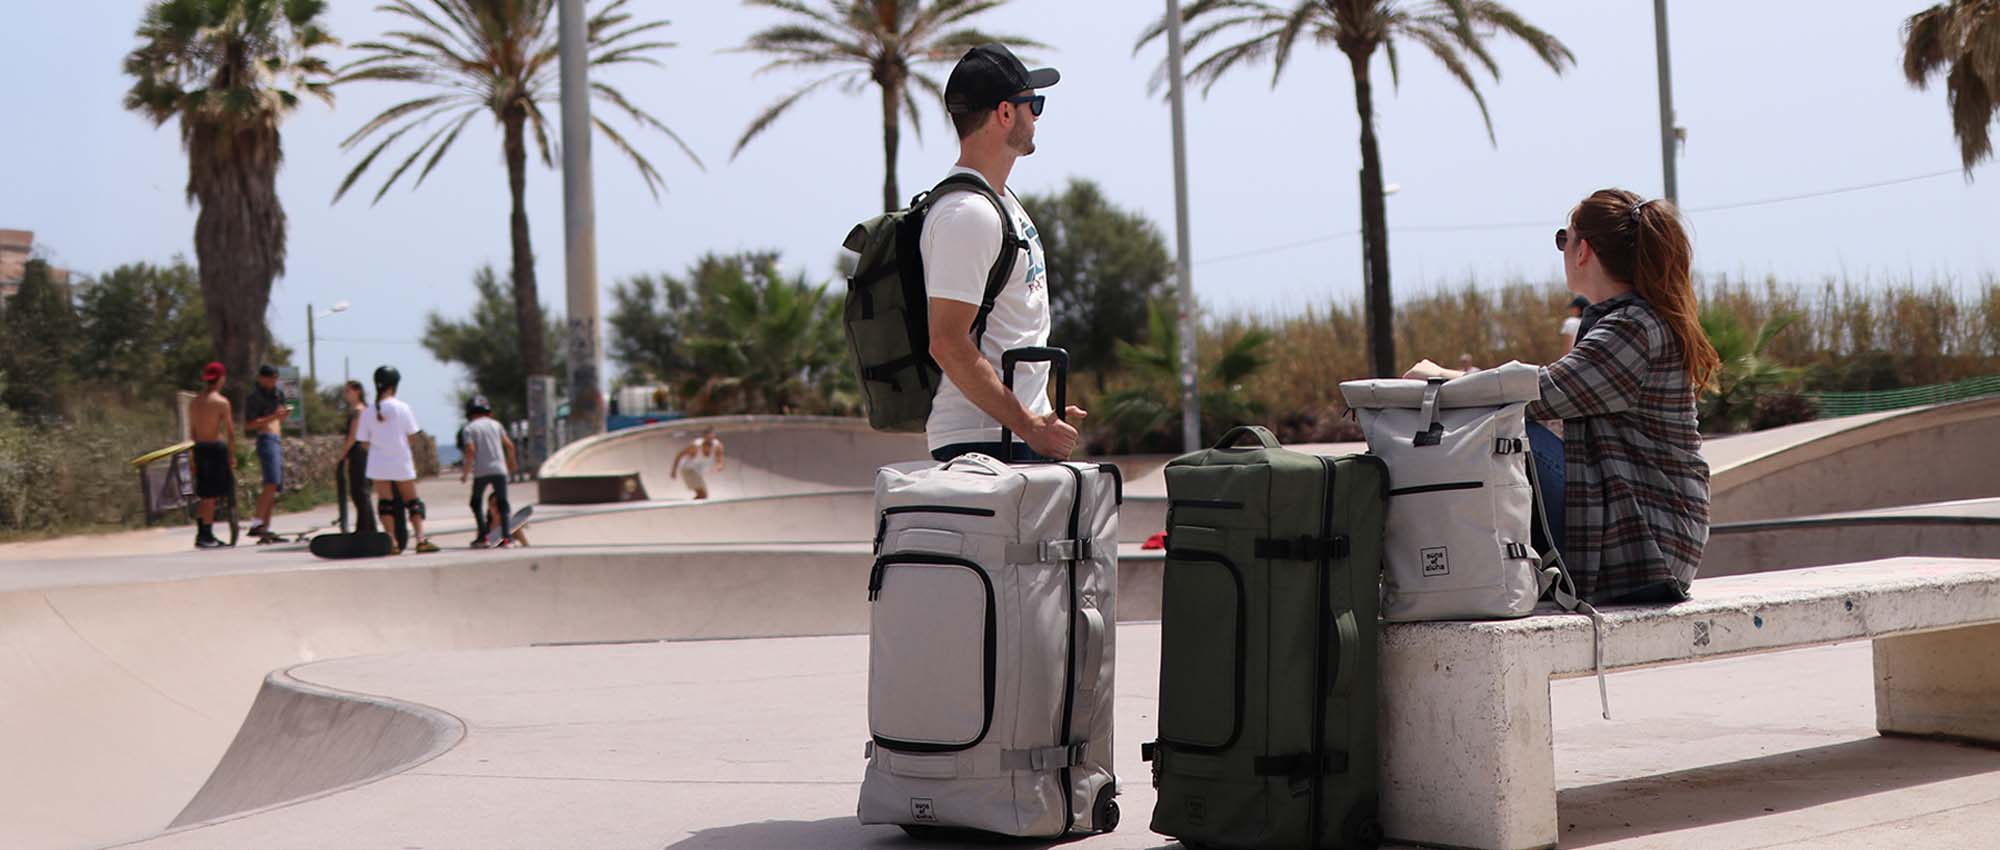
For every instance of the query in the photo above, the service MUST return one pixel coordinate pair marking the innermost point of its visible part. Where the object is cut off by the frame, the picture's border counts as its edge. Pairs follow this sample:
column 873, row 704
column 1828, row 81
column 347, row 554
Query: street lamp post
column 1190, row 398
column 579, row 222
column 1669, row 135
column 312, row 365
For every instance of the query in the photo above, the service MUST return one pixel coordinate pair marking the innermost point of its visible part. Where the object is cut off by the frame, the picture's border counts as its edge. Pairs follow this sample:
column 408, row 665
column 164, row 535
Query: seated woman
column 1625, row 487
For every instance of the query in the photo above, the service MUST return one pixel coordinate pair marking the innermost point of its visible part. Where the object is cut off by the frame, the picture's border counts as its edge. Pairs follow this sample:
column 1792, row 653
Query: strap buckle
column 1509, row 446
column 1517, row 551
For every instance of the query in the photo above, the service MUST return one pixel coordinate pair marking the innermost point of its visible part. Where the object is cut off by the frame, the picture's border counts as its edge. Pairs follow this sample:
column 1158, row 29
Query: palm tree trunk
column 527, row 301
column 239, row 239
column 892, row 137
column 1374, row 225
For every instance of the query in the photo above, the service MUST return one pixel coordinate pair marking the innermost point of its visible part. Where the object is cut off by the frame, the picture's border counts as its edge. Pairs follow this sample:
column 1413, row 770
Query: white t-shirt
column 961, row 240
column 388, row 440
column 1570, row 325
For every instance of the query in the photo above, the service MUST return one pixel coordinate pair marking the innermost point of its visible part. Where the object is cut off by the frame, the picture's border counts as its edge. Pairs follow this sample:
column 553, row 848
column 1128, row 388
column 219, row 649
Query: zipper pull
column 875, row 581
column 881, row 531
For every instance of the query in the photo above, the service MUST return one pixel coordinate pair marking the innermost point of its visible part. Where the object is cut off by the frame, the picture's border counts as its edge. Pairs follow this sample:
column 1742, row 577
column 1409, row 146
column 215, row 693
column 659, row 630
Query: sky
column 1779, row 98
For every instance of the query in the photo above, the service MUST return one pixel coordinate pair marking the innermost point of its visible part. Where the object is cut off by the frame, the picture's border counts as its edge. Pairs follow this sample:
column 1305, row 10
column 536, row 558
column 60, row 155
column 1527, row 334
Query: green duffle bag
column 1267, row 648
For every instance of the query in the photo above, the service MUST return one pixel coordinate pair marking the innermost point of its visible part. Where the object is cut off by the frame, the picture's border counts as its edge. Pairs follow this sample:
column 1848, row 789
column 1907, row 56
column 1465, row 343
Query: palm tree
column 1142, row 414
column 1456, row 32
column 498, row 57
column 766, row 344
column 231, row 71
column 1960, row 40
column 879, row 41
column 1748, row 369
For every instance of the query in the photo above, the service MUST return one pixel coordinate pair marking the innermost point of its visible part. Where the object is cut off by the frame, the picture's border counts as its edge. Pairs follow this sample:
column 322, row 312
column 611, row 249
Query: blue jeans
column 1020, row 453
column 271, row 457
column 1554, row 478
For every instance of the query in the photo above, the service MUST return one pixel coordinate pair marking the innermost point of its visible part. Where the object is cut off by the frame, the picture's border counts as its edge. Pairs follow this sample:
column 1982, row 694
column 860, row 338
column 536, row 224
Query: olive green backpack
column 887, row 314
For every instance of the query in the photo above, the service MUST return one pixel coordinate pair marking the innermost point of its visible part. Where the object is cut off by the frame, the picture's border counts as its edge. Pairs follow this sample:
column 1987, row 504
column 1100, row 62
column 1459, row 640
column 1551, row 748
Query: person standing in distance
column 993, row 105
column 386, row 431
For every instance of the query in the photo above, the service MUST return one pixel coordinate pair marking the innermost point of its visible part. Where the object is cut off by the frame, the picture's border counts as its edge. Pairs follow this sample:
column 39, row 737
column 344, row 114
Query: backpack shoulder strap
column 1010, row 242
column 1561, row 587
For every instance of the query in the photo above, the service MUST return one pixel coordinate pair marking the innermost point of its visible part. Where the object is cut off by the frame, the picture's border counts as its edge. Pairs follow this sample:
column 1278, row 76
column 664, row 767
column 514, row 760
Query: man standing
column 265, row 415
column 489, row 458
column 1574, row 322
column 993, row 105
column 210, row 424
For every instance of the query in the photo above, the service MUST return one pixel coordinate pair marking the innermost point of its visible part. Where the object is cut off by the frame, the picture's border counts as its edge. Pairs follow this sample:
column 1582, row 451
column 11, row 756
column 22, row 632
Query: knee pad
column 391, row 507
column 416, row 507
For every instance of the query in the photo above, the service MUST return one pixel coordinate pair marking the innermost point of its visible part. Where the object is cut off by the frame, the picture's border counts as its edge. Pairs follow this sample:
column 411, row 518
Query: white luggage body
column 991, row 648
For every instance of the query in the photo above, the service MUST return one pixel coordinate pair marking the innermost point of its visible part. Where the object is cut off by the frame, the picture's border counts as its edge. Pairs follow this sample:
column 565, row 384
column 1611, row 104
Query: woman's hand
column 1426, row 370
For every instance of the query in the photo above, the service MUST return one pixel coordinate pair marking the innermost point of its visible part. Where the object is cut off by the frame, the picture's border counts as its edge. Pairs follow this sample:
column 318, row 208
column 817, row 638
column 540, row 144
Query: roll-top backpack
column 887, row 314
column 1464, row 511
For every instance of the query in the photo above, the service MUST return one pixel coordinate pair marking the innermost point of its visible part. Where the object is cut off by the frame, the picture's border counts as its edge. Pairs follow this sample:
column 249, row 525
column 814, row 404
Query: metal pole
column 1190, row 399
column 312, row 376
column 586, row 407
column 1669, row 141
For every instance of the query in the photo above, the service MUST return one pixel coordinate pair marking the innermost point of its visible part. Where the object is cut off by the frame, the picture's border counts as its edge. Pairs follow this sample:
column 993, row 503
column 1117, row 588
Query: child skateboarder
column 387, row 430
column 489, row 458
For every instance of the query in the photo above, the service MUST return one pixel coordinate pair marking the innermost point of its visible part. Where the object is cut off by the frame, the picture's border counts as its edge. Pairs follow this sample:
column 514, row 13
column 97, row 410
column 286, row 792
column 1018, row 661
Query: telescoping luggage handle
column 1035, row 354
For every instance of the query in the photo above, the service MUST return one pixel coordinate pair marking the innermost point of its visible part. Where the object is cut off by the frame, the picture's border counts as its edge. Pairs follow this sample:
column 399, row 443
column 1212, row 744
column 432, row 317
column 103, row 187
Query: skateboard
column 356, row 545
column 519, row 521
column 269, row 537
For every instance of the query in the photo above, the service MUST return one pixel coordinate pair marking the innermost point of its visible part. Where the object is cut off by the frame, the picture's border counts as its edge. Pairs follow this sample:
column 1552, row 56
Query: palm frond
column 778, row 108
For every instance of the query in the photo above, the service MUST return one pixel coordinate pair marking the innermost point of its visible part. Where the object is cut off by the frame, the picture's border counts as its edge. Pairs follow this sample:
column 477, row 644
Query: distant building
column 16, row 249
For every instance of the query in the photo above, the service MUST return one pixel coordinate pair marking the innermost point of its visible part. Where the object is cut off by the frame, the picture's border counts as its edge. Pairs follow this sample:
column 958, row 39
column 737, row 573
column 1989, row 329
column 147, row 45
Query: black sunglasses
column 1035, row 102
column 1562, row 239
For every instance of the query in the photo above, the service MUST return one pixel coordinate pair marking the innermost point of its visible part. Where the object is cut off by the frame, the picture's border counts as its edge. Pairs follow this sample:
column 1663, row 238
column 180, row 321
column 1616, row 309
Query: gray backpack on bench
column 1464, row 509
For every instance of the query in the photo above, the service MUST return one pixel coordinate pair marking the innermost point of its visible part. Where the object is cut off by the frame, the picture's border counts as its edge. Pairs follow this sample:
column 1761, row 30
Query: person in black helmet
column 387, row 429
column 489, row 459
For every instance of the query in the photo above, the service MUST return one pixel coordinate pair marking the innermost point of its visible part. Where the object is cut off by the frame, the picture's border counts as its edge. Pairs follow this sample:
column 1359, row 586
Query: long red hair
column 1644, row 243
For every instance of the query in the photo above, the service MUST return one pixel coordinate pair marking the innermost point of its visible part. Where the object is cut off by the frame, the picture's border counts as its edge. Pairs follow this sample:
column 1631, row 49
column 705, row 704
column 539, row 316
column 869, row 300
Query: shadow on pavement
column 1752, row 788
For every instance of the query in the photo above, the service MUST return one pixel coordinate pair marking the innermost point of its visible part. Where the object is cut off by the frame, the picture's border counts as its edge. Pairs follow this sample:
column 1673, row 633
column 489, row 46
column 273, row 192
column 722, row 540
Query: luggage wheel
column 1104, row 815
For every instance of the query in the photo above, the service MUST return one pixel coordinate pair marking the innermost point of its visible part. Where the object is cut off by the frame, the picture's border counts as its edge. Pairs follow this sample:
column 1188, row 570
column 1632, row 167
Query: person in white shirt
column 386, row 430
column 696, row 460
column 992, row 100
column 1575, row 321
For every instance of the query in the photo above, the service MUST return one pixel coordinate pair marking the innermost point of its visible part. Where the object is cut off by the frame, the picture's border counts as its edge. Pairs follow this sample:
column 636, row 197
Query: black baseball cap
column 267, row 371
column 989, row 74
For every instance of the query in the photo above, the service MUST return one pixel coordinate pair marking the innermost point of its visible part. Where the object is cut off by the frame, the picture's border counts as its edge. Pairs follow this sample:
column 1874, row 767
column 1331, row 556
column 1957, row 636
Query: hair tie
column 1638, row 208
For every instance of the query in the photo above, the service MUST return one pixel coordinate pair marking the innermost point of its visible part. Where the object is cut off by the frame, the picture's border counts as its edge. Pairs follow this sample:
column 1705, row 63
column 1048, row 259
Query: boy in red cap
column 209, row 423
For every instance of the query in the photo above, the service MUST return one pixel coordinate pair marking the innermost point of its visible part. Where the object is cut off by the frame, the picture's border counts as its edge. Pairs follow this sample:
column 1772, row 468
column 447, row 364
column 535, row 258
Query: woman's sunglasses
column 1035, row 102
column 1562, row 239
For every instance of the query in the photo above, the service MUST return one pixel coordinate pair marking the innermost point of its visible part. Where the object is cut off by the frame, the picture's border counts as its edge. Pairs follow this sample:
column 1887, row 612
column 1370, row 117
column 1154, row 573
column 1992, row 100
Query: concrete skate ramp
column 133, row 690
column 1930, row 454
column 1963, row 529
column 829, row 517
column 765, row 455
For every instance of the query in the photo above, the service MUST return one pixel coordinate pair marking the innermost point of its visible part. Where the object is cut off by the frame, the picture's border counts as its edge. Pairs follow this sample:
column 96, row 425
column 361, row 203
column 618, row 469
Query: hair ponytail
column 1644, row 243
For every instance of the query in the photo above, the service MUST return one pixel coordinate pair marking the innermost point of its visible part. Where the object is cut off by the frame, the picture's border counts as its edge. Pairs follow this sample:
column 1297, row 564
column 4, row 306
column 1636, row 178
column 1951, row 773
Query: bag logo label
column 923, row 809
column 1197, row 810
column 1436, row 562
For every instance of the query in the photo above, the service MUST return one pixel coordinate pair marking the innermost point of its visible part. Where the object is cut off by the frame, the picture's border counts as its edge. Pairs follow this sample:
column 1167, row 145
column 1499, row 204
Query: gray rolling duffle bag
column 1463, row 504
column 991, row 644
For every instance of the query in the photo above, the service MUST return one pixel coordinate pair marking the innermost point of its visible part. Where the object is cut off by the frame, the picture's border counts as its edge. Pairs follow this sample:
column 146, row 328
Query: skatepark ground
column 669, row 674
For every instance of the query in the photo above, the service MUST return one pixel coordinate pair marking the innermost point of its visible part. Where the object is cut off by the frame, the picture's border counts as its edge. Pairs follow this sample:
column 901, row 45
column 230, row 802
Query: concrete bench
column 1467, row 745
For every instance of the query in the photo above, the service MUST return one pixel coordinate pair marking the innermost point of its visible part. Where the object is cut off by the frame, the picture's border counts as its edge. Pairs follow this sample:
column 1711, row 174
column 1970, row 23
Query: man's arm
column 721, row 452
column 471, row 458
column 513, row 459
column 952, row 348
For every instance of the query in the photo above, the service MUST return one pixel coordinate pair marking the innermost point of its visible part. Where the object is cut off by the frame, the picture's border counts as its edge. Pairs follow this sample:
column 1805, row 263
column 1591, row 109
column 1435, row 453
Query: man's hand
column 1052, row 437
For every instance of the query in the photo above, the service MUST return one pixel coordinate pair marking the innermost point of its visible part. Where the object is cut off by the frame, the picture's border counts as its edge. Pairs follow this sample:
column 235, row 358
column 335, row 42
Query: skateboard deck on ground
column 270, row 537
column 518, row 522
column 357, row 545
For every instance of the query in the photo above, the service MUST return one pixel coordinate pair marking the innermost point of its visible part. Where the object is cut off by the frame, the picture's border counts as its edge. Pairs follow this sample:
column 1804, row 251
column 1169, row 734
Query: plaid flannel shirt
column 1637, row 495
